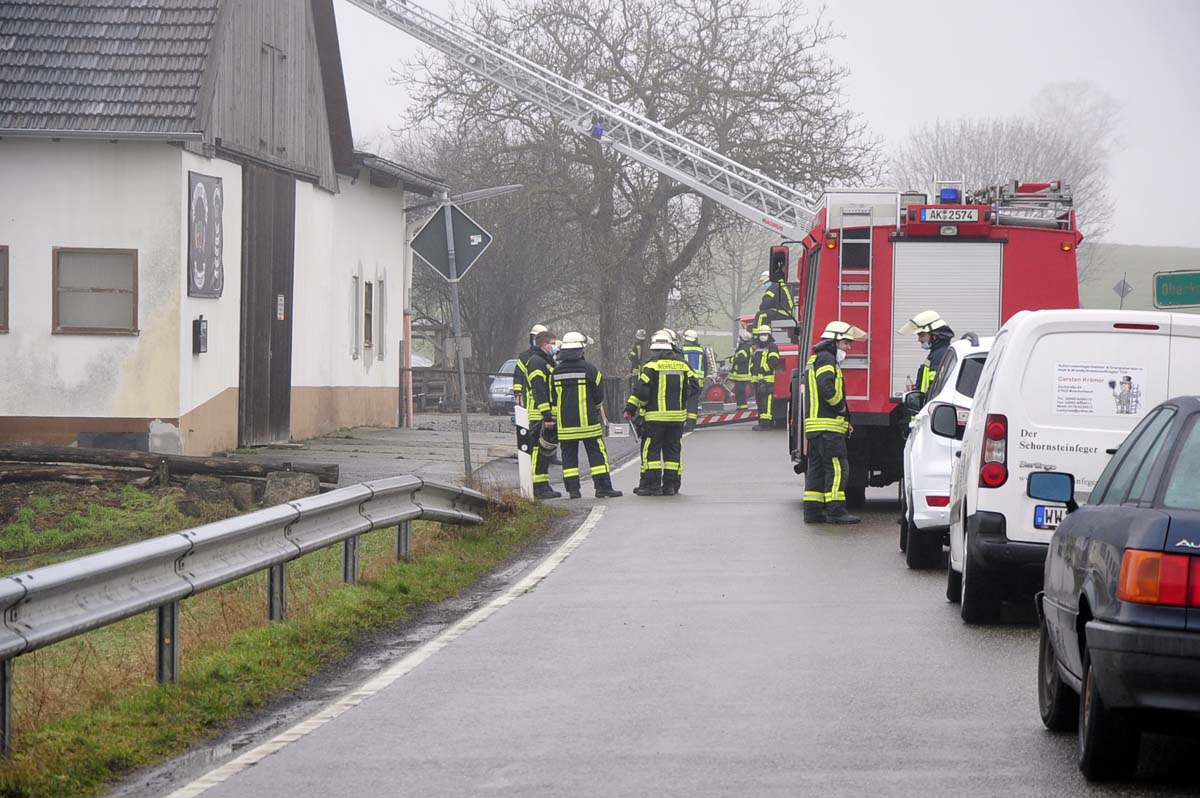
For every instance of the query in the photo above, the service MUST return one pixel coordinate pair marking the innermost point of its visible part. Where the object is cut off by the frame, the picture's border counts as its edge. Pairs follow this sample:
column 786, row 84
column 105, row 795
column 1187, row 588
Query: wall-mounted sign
column 280, row 304
column 206, row 269
column 199, row 336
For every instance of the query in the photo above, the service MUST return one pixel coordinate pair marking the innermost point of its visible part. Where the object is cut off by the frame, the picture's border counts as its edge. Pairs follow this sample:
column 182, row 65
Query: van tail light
column 993, row 471
column 1152, row 577
column 937, row 501
column 1127, row 326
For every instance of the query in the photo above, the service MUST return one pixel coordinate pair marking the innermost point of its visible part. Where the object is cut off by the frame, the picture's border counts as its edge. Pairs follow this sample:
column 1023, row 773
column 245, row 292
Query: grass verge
column 87, row 710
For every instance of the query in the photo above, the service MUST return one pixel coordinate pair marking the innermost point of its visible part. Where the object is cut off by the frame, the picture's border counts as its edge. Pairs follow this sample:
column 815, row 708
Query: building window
column 95, row 291
column 368, row 314
column 272, row 96
column 3, row 289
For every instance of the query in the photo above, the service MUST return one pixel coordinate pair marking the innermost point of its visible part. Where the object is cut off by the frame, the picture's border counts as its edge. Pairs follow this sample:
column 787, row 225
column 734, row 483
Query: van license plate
column 1048, row 517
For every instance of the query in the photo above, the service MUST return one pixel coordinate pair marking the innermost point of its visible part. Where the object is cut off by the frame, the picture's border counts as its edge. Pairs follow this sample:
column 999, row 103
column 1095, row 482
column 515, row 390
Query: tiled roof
column 103, row 65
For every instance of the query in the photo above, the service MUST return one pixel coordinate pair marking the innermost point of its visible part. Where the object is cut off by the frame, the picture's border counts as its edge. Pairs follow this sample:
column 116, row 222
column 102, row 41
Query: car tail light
column 994, row 470
column 937, row 501
column 1128, row 326
column 1194, row 583
column 1152, row 577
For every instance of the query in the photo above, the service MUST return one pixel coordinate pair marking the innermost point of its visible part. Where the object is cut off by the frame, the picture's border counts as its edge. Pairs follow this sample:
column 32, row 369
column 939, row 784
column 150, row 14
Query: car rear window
column 1183, row 486
column 968, row 378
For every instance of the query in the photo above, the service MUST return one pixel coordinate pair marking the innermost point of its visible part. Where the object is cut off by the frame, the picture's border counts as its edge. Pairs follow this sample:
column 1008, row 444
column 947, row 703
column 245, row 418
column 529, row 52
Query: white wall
column 367, row 238
column 203, row 377
column 90, row 194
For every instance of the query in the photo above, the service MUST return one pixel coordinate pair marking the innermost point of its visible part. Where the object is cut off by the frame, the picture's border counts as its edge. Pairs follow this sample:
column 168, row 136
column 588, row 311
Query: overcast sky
column 912, row 63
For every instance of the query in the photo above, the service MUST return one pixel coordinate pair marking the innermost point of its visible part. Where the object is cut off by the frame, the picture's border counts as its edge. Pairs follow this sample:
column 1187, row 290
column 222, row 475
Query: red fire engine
column 875, row 258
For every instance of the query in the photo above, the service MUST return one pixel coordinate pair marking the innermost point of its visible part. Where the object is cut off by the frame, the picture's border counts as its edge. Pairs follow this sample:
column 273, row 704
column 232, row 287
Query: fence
column 60, row 601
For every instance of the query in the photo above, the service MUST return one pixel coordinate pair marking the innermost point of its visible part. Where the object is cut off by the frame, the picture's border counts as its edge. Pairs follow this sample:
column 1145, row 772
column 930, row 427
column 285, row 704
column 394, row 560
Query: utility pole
column 456, row 326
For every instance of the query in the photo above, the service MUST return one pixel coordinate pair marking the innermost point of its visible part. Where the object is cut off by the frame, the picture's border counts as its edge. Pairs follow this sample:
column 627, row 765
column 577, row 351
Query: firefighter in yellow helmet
column 696, row 358
column 578, row 397
column 826, row 426
column 739, row 369
column 777, row 303
column 935, row 336
column 664, row 386
column 540, row 402
column 764, row 362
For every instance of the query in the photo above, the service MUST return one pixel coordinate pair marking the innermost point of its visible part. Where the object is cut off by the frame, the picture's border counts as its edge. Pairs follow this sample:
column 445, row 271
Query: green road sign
column 1177, row 289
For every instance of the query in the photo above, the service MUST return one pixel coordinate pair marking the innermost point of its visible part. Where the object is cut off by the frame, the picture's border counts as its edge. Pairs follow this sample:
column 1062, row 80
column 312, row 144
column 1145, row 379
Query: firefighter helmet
column 762, row 329
column 670, row 334
column 743, row 334
column 766, row 277
column 573, row 340
column 538, row 329
column 640, row 335
column 924, row 322
column 841, row 331
column 661, row 340
column 690, row 336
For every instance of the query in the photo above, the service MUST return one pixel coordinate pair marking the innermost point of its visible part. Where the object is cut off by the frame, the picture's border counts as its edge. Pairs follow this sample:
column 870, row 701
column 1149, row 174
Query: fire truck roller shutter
column 960, row 280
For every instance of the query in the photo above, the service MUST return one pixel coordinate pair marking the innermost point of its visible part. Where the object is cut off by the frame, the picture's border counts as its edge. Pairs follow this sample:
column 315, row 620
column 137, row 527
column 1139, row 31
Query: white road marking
column 402, row 667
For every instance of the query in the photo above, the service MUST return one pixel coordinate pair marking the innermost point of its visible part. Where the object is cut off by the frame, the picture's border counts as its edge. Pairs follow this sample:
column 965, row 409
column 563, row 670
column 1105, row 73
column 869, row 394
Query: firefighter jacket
column 825, row 396
column 928, row 372
column 776, row 305
column 739, row 369
column 765, row 362
column 663, row 388
column 696, row 360
column 635, row 355
column 578, row 395
column 540, row 370
column 521, row 373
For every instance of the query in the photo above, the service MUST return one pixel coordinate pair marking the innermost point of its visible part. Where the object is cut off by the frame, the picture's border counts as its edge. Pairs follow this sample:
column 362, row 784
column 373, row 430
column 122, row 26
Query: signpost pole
column 456, row 322
column 1124, row 290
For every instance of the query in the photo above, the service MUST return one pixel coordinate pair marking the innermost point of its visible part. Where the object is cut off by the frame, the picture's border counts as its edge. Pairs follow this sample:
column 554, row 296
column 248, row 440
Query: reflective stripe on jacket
column 826, row 394
column 765, row 363
column 578, row 395
column 662, row 389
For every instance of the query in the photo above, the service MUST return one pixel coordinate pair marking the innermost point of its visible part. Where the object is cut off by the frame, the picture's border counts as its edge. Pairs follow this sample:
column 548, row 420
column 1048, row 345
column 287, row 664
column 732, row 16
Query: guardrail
column 60, row 601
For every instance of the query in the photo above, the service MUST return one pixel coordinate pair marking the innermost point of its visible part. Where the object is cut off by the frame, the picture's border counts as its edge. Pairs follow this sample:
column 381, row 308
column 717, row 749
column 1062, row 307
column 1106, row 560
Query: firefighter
column 665, row 384
column 521, row 370
column 542, row 427
column 739, row 370
column 777, row 303
column 697, row 360
column 578, row 397
column 935, row 336
column 636, row 355
column 826, row 426
column 764, row 363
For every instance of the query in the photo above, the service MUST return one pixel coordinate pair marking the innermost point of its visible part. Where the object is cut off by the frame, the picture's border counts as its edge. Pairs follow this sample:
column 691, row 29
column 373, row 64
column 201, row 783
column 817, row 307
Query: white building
column 179, row 175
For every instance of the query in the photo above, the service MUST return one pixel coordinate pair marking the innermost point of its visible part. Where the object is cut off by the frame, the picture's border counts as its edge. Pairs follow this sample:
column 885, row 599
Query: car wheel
column 856, row 498
column 903, row 518
column 1108, row 747
column 1057, row 702
column 979, row 602
column 953, row 585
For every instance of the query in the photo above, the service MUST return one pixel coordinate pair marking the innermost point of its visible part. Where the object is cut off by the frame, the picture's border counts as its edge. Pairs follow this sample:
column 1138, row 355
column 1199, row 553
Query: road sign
column 1123, row 288
column 470, row 240
column 1177, row 289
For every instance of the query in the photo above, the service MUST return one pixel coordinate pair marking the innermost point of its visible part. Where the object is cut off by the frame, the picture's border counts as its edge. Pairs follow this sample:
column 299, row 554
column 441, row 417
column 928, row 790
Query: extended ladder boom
column 755, row 196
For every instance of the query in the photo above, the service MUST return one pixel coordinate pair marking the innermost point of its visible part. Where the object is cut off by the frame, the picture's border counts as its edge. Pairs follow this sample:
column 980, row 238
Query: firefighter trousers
column 662, row 453
column 597, row 456
column 741, row 394
column 764, row 397
column 825, row 477
column 540, row 458
column 693, row 409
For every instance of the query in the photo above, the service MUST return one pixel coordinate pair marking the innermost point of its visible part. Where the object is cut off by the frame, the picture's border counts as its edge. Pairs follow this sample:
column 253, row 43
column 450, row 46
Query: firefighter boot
column 835, row 513
column 814, row 512
column 604, row 487
column 670, row 483
column 651, row 484
column 542, row 490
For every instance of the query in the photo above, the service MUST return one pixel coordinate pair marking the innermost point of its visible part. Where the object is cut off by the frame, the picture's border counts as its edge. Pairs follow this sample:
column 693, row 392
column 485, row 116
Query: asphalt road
column 710, row 644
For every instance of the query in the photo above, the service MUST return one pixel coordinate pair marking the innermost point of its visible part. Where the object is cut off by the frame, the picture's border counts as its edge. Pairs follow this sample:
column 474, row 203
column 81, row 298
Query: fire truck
column 872, row 257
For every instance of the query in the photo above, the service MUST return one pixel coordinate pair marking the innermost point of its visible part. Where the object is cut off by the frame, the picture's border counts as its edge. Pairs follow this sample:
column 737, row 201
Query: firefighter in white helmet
column 827, row 426
column 763, row 364
column 935, row 336
column 521, row 370
column 697, row 360
column 636, row 355
column 739, row 369
column 663, row 388
column 540, row 402
column 578, row 398
column 777, row 303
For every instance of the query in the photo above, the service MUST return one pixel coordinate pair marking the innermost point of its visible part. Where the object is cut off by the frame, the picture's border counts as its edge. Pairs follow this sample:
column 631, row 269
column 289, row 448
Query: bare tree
column 1071, row 133
column 757, row 85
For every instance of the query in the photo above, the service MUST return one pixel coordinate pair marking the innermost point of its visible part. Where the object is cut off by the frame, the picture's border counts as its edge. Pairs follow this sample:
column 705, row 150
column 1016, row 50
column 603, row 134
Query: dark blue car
column 1120, row 607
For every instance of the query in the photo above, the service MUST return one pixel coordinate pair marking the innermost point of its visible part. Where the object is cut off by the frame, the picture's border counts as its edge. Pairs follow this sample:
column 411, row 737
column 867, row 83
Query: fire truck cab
column 877, row 257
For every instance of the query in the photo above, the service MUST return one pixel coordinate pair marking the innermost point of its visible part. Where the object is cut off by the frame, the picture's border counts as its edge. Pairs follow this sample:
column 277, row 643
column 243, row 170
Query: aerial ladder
column 758, row 198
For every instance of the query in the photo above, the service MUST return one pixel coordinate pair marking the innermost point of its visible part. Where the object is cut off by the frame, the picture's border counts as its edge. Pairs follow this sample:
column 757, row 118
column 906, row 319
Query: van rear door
column 1184, row 375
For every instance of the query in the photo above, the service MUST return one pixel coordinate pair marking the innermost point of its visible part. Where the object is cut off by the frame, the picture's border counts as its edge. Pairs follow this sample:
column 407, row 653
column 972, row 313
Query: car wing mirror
column 914, row 401
column 949, row 421
column 1053, row 486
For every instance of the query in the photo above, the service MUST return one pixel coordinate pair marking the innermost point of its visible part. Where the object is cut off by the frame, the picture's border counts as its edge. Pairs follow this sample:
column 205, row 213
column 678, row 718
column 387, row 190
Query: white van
column 1059, row 392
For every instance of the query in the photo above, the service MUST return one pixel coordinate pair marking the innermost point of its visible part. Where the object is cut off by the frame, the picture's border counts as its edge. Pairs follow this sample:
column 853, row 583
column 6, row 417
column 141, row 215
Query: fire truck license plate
column 950, row 215
column 1048, row 517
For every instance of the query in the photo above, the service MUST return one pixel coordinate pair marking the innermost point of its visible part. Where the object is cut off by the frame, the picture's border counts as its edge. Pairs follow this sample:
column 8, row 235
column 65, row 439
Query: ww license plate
column 1048, row 517
column 969, row 215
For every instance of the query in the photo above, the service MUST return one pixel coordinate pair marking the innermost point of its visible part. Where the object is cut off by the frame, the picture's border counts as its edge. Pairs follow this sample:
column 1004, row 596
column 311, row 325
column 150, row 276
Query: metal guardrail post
column 403, row 540
column 350, row 560
column 277, row 592
column 168, row 643
column 6, row 679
